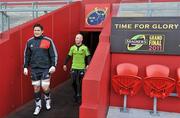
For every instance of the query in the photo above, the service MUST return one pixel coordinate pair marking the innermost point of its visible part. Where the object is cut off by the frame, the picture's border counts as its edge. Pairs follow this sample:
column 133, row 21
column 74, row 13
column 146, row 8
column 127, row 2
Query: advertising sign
column 148, row 35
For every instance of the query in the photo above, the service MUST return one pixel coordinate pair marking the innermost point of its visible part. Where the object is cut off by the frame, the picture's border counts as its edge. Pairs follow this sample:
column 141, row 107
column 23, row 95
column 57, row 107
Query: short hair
column 38, row 25
column 80, row 35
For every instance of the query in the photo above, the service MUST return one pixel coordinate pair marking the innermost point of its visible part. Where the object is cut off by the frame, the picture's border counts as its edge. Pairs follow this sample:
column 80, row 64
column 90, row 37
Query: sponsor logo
column 146, row 42
column 136, row 42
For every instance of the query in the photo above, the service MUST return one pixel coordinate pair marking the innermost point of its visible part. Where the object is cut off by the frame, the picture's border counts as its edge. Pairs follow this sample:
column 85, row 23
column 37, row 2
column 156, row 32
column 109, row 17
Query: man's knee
column 45, row 88
column 36, row 89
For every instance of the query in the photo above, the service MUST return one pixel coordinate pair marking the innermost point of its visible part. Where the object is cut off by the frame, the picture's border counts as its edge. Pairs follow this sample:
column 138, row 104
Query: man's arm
column 27, row 55
column 65, row 62
column 68, row 58
column 53, row 54
column 88, row 57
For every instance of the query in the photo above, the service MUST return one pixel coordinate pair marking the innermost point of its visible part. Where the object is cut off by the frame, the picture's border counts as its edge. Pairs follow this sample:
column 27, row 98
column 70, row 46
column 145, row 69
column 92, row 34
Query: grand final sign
column 151, row 35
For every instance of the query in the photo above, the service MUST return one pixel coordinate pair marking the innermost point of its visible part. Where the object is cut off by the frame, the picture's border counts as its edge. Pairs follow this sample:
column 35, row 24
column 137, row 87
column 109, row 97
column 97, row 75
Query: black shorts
column 77, row 73
column 39, row 74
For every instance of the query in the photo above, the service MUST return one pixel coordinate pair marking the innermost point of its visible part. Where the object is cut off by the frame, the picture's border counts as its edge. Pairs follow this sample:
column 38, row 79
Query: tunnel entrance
column 64, row 92
column 91, row 40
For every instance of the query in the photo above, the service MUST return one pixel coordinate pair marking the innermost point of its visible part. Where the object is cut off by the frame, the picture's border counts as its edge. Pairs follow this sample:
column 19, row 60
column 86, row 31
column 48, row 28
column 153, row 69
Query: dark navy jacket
column 40, row 52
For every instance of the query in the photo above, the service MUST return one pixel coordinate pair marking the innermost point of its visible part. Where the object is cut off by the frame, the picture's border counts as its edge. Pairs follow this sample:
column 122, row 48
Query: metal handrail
column 8, row 19
column 26, row 10
column 51, row 1
column 34, row 8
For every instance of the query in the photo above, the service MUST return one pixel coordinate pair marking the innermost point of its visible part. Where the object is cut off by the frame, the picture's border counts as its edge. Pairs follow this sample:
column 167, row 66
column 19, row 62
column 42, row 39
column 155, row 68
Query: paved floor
column 62, row 105
column 114, row 112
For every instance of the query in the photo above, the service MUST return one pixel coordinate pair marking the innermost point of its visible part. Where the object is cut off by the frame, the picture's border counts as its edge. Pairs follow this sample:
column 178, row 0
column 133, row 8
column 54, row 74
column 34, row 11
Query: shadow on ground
column 63, row 105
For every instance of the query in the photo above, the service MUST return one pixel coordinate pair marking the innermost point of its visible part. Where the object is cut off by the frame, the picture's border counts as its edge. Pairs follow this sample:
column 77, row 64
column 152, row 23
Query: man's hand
column 25, row 71
column 64, row 67
column 87, row 67
column 52, row 69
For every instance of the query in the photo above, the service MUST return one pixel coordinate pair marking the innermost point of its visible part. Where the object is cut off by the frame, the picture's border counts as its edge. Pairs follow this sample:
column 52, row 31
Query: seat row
column 156, row 84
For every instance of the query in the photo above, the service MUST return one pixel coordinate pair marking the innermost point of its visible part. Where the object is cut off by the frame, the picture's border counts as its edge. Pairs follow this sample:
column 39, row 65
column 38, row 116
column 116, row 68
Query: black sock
column 47, row 94
column 37, row 96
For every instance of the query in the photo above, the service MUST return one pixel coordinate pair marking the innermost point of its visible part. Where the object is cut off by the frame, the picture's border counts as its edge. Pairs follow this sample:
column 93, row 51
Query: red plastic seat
column 126, row 82
column 157, row 83
column 127, row 69
column 178, row 82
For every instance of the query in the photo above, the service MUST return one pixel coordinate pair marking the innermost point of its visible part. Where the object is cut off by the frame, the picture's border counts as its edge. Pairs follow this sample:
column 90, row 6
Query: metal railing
column 34, row 7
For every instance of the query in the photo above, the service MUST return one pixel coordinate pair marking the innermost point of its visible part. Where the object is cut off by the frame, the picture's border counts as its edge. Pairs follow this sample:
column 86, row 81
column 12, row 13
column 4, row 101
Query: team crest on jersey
column 44, row 44
column 82, row 50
